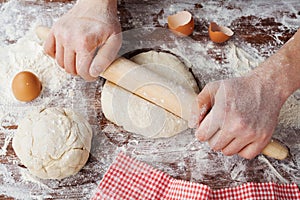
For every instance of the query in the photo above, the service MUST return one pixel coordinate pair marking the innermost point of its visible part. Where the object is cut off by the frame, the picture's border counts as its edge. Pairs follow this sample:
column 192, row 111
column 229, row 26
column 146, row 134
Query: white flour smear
column 20, row 50
column 181, row 156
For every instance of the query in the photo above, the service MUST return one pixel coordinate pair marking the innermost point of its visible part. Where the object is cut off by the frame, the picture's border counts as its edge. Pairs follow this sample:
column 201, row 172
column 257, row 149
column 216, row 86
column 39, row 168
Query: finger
column 49, row 46
column 83, row 62
column 205, row 101
column 253, row 149
column 208, row 127
column 220, row 140
column 235, row 146
column 106, row 55
column 59, row 55
column 69, row 61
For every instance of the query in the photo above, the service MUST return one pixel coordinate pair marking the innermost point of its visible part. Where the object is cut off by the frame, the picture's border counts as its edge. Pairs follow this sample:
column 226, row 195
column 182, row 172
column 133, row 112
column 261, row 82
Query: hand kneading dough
column 53, row 143
column 139, row 116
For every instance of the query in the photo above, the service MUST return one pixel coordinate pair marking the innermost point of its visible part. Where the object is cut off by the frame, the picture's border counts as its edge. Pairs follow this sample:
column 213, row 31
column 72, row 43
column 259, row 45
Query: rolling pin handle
column 42, row 32
column 276, row 150
column 117, row 69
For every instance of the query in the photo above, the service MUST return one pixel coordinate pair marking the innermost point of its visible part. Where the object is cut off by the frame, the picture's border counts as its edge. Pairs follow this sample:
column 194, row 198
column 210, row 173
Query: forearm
column 281, row 71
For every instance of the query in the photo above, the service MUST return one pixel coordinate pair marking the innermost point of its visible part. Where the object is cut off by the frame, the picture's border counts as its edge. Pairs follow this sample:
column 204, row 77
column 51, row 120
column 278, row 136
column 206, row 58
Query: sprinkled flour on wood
column 180, row 156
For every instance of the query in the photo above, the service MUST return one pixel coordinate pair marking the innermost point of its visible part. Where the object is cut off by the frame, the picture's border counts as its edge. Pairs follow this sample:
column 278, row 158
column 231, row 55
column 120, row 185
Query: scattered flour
column 290, row 112
column 240, row 60
column 28, row 177
column 27, row 54
column 272, row 168
column 19, row 52
column 3, row 149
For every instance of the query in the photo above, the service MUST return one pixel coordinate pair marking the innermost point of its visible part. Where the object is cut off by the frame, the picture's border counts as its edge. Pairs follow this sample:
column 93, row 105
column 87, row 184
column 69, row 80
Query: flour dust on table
column 260, row 29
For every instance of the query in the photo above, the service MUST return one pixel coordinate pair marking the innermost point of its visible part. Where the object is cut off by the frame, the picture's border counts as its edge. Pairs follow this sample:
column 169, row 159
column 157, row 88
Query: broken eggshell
column 181, row 23
column 219, row 34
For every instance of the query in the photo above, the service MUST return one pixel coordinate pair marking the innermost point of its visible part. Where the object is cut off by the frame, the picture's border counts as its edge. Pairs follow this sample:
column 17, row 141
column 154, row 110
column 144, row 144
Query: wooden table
column 260, row 27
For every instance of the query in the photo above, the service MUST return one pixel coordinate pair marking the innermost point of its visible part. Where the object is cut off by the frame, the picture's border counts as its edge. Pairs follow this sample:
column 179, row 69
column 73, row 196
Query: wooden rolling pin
column 152, row 87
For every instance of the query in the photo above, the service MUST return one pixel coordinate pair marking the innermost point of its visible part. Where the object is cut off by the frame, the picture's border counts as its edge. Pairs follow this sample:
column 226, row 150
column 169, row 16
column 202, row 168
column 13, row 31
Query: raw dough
column 53, row 143
column 169, row 66
column 140, row 116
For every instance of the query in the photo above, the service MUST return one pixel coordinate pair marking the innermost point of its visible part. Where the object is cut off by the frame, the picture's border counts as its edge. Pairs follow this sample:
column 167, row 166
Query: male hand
column 241, row 115
column 89, row 28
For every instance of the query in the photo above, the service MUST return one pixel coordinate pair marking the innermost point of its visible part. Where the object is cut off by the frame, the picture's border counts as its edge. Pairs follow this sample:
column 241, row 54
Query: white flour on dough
column 138, row 115
column 53, row 143
column 58, row 89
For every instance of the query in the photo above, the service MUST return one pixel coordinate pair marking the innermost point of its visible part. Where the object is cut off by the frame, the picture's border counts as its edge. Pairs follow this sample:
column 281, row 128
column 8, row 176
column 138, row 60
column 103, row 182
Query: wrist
column 273, row 75
column 281, row 71
column 269, row 81
column 105, row 7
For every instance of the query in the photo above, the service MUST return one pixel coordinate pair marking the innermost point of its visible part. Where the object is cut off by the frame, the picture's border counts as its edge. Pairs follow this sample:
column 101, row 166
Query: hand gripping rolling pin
column 154, row 88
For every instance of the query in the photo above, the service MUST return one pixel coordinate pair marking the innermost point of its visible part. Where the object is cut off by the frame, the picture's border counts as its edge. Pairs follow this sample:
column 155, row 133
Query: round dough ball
column 53, row 143
column 139, row 116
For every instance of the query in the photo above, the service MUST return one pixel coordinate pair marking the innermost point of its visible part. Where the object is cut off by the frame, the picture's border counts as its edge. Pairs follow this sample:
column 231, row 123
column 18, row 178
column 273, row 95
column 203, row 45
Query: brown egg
column 26, row 86
column 181, row 23
column 219, row 34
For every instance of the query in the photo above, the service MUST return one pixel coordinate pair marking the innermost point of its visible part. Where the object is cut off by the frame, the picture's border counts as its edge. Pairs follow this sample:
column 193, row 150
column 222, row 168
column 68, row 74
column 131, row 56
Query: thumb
column 106, row 55
column 205, row 100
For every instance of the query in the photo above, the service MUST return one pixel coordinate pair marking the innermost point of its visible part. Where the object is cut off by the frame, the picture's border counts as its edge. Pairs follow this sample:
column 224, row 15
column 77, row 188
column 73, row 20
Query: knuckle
column 82, row 71
column 215, row 147
column 68, row 41
column 60, row 62
column 234, row 129
column 85, row 42
column 265, row 136
column 49, row 52
column 67, row 70
column 70, row 70
column 118, row 38
column 227, row 152
column 248, row 155
column 201, row 137
column 239, row 125
column 59, row 36
column 88, row 43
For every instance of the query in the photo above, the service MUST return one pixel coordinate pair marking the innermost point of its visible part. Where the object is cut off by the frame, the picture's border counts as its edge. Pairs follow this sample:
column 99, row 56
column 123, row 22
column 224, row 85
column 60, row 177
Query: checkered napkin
column 129, row 179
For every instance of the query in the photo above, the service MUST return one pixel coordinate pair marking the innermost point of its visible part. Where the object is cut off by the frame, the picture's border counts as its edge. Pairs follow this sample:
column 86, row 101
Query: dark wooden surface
column 265, row 34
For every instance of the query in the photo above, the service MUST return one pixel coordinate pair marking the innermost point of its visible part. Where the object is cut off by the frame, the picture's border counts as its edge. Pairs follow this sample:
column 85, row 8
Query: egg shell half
column 219, row 34
column 181, row 23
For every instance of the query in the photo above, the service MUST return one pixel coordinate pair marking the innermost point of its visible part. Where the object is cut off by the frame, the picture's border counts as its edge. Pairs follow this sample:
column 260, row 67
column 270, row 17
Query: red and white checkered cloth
column 129, row 179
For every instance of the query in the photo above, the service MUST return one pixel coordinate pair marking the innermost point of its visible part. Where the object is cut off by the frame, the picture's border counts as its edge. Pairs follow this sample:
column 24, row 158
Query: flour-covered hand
column 91, row 27
column 242, row 115
column 239, row 115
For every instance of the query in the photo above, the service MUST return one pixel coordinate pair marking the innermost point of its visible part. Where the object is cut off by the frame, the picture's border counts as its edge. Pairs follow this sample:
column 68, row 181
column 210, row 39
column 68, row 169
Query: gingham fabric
column 129, row 179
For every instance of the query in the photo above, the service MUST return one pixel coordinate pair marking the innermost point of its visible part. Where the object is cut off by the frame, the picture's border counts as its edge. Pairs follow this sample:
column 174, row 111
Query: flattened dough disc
column 139, row 116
